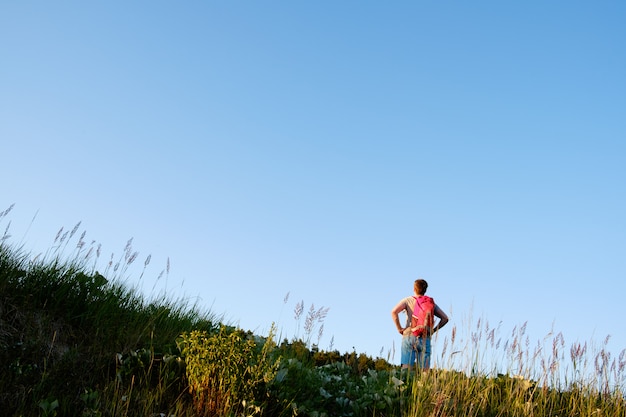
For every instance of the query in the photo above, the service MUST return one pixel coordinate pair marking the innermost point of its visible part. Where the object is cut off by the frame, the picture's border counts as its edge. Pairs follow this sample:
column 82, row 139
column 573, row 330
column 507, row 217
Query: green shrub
column 228, row 370
column 335, row 389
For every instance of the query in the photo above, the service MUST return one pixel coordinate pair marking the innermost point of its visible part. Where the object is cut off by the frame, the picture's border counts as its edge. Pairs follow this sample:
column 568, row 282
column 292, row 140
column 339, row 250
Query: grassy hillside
column 76, row 342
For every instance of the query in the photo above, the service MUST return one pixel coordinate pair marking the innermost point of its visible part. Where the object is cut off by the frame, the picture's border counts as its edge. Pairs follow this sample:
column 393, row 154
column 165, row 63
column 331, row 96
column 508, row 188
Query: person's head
column 420, row 286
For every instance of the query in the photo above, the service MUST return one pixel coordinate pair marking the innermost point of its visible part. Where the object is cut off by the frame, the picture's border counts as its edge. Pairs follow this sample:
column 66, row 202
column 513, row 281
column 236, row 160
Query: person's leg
column 423, row 353
column 407, row 352
column 419, row 349
column 422, row 346
column 427, row 354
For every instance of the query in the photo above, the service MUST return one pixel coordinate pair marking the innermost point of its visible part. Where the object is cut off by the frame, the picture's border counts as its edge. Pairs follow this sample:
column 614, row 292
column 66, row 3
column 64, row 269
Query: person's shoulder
column 408, row 300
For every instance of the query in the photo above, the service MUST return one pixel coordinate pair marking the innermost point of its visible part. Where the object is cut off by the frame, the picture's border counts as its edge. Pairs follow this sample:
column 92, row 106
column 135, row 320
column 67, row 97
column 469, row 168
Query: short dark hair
column 420, row 286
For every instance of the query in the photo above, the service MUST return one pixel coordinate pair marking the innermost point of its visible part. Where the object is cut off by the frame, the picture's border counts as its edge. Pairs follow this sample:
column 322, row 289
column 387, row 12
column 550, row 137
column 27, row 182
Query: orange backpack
column 423, row 316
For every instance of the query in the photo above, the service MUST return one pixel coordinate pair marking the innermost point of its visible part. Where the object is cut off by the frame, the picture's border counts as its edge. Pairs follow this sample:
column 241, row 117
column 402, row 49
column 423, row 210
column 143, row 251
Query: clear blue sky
column 335, row 151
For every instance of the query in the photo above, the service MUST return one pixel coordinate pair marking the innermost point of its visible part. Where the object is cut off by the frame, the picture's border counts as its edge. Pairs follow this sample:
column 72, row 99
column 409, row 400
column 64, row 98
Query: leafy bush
column 335, row 389
column 227, row 371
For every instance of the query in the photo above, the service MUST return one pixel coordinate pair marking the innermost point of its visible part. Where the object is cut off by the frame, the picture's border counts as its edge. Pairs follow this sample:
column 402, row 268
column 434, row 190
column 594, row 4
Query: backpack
column 423, row 315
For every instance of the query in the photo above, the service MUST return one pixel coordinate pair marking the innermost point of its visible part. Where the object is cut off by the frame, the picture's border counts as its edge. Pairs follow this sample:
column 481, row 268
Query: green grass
column 491, row 375
column 77, row 342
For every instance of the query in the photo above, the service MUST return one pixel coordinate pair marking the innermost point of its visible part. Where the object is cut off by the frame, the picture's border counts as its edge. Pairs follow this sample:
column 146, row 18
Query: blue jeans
column 415, row 350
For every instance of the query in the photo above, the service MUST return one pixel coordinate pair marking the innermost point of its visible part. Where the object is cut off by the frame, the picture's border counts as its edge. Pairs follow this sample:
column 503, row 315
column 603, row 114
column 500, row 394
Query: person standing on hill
column 419, row 326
